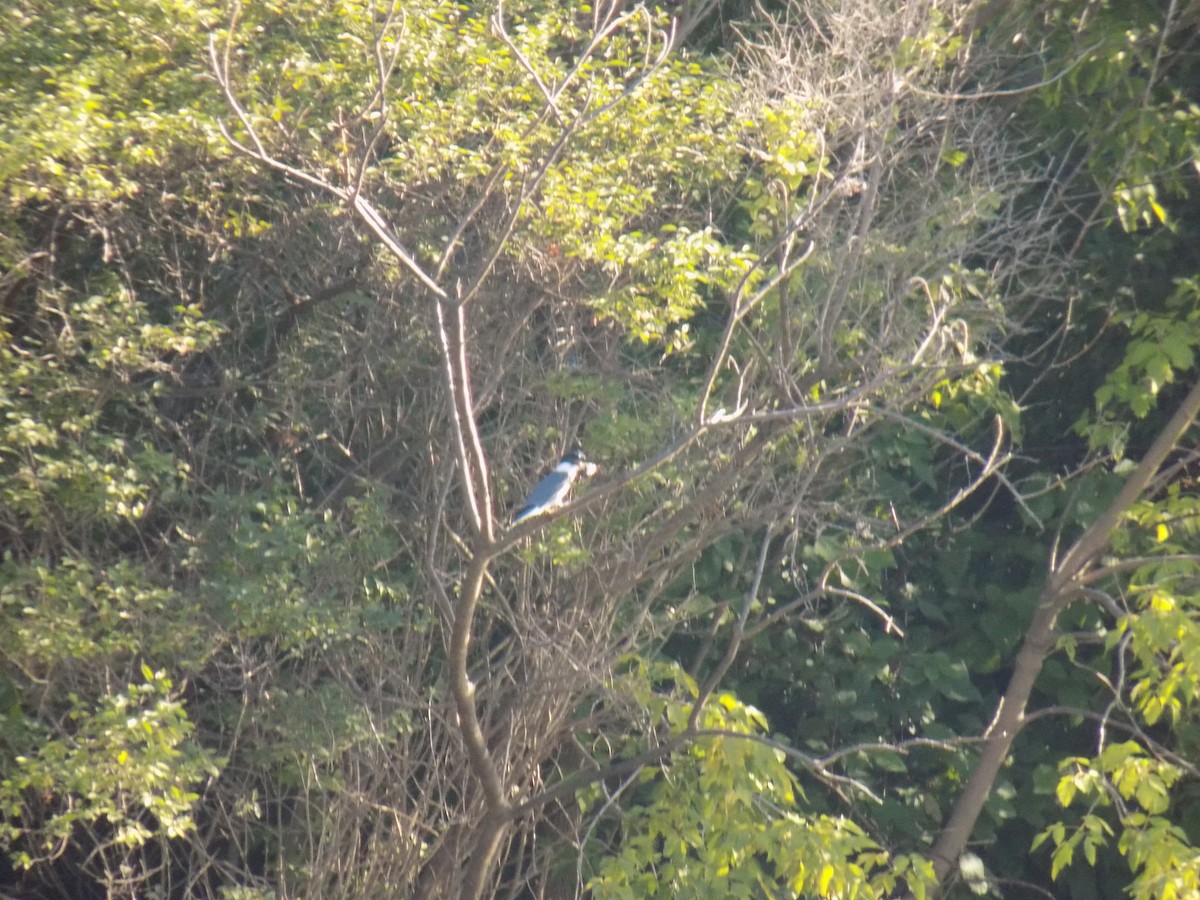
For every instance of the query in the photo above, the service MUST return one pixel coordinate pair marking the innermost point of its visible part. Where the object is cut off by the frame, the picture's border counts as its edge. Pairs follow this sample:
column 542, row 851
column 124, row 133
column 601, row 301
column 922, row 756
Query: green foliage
column 467, row 112
column 1124, row 776
column 1164, row 623
column 97, row 96
column 67, row 405
column 267, row 567
column 669, row 279
column 1160, row 350
column 1136, row 126
column 127, row 764
column 726, row 818
column 1136, row 782
column 70, row 614
column 225, row 463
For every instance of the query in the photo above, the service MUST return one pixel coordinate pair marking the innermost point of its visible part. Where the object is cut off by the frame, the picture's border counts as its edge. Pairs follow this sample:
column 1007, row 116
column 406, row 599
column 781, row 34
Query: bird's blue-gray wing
column 548, row 492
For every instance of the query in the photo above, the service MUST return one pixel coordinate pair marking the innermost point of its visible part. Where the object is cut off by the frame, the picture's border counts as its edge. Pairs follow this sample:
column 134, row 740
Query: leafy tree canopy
column 879, row 319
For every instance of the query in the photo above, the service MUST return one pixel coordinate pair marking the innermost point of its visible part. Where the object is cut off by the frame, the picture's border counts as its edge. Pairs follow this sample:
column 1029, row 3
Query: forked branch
column 1063, row 584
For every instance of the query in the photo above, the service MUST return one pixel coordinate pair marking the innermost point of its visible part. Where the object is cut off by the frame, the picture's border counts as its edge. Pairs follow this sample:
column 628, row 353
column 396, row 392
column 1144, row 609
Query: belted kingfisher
column 552, row 490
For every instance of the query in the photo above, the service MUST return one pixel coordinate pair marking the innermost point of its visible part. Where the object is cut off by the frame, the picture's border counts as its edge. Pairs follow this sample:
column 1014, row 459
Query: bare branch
column 1128, row 726
column 735, row 639
column 455, row 398
column 366, row 212
column 476, row 459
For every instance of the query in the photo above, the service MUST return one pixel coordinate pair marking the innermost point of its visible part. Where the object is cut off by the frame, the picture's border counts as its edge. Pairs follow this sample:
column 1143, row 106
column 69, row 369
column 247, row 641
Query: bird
column 552, row 490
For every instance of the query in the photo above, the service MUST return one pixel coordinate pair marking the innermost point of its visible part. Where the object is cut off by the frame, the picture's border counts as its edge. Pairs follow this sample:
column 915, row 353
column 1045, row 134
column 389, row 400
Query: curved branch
column 499, row 811
column 1062, row 585
column 366, row 212
column 1131, row 728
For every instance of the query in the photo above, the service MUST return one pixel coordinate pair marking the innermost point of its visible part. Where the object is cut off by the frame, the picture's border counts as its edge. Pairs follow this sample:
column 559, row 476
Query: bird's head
column 576, row 459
